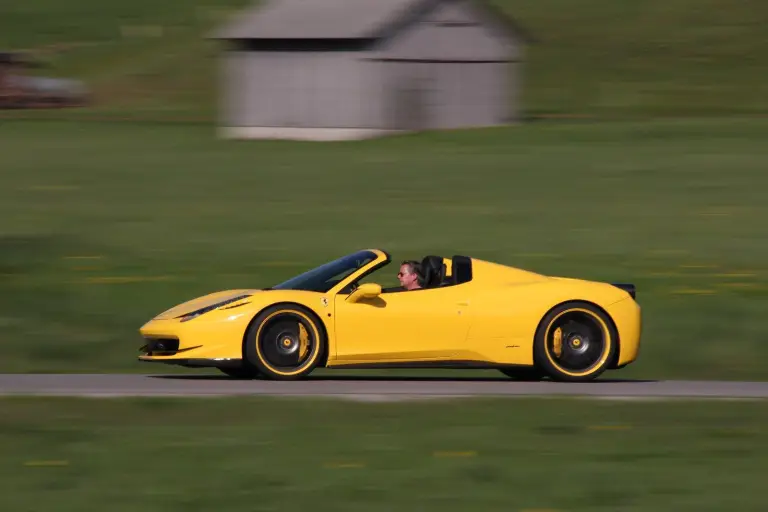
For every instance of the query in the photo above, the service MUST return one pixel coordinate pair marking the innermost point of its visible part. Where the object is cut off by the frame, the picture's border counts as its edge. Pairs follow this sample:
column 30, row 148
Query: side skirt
column 452, row 365
column 198, row 362
column 448, row 365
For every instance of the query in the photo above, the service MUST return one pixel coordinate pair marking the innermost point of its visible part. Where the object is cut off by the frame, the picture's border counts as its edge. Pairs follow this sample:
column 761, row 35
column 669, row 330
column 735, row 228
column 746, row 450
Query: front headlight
column 194, row 314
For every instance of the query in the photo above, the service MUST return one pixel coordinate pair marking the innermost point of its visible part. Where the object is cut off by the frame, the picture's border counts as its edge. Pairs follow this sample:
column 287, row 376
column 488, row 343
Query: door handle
column 463, row 303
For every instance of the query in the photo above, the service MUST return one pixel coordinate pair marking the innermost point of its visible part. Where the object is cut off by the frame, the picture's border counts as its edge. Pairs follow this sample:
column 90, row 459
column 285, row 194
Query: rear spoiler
column 627, row 287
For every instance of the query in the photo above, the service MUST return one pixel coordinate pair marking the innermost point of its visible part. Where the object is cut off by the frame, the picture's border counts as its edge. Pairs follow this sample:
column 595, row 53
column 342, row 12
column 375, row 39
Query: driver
column 410, row 275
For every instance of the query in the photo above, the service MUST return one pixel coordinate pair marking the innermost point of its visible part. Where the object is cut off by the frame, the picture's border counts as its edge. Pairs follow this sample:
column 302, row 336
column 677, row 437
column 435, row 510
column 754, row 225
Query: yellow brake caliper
column 303, row 341
column 558, row 342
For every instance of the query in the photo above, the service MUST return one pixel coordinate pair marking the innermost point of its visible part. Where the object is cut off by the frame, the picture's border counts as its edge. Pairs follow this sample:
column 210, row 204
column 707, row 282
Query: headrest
column 433, row 270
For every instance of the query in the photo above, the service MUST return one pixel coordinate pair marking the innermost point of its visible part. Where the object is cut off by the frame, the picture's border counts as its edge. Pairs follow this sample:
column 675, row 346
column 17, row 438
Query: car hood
column 204, row 301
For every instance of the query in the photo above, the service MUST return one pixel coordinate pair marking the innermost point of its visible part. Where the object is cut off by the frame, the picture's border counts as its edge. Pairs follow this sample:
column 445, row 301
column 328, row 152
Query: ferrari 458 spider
column 469, row 313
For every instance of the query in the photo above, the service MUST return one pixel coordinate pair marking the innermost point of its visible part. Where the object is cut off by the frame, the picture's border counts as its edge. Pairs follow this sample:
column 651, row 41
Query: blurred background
column 151, row 152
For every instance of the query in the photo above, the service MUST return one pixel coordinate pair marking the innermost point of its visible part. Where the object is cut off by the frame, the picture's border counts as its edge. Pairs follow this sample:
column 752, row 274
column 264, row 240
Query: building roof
column 314, row 19
column 328, row 19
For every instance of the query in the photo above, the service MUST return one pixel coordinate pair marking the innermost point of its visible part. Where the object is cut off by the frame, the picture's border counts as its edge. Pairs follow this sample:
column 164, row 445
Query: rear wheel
column 284, row 342
column 575, row 342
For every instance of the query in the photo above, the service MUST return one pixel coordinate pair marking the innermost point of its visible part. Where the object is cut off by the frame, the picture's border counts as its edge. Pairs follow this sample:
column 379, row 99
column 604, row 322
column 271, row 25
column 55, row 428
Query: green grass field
column 261, row 454
column 105, row 222
column 646, row 163
column 104, row 225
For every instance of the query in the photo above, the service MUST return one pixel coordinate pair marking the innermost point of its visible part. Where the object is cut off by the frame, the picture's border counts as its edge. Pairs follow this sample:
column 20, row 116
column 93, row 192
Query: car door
column 419, row 324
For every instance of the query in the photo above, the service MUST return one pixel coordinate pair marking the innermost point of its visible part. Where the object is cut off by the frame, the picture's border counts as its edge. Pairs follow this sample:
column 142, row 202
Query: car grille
column 161, row 346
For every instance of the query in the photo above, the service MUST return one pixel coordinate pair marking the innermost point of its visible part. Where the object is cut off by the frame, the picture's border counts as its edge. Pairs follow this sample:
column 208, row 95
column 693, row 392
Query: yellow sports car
column 469, row 313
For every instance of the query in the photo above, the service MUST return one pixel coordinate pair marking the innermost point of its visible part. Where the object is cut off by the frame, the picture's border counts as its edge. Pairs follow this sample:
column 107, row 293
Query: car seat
column 433, row 270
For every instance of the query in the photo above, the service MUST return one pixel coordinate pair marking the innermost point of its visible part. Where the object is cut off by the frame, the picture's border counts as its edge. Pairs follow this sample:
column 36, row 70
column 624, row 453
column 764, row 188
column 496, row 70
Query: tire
column 588, row 341
column 277, row 346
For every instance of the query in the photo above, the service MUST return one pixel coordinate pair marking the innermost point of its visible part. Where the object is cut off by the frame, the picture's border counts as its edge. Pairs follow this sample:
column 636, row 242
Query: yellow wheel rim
column 297, row 336
column 579, row 347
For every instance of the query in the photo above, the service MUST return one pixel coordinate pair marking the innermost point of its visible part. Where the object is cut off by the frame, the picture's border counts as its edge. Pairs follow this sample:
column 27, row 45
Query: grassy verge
column 103, row 225
column 260, row 454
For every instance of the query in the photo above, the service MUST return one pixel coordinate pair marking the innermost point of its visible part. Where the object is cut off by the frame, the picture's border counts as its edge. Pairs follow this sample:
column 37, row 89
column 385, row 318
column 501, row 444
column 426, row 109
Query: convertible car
column 470, row 313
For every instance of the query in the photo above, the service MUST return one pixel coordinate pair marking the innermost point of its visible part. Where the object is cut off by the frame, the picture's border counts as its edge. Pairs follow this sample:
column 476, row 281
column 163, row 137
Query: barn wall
column 300, row 90
column 453, row 68
column 444, row 95
column 468, row 94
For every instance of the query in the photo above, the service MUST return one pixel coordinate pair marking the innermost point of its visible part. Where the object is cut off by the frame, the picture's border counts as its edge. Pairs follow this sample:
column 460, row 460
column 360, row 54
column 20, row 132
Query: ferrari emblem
column 324, row 301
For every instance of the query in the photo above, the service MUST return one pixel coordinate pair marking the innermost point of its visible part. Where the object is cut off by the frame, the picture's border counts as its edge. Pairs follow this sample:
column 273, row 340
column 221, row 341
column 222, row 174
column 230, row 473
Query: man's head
column 409, row 275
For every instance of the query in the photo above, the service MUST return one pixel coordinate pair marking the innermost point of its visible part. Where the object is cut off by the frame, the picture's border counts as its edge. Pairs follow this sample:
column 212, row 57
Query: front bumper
column 195, row 362
column 174, row 342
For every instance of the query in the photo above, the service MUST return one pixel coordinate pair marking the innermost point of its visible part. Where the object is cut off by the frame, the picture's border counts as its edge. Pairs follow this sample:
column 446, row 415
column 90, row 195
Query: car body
column 471, row 313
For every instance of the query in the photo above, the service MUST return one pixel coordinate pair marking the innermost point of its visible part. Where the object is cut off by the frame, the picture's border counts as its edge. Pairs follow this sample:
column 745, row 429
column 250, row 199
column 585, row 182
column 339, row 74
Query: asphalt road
column 370, row 388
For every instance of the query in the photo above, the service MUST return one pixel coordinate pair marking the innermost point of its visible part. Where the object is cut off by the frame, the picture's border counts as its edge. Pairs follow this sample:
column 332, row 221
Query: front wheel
column 284, row 342
column 575, row 342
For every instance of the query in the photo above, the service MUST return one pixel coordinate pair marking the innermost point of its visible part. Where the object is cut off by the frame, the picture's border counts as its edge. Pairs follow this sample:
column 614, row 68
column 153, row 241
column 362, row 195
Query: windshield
column 323, row 278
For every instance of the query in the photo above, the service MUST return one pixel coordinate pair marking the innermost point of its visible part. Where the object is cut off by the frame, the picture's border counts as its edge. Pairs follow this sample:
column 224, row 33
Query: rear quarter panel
column 508, row 306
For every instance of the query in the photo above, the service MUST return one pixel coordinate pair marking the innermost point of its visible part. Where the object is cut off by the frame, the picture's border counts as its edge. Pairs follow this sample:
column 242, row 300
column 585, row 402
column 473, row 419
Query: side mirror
column 365, row 291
